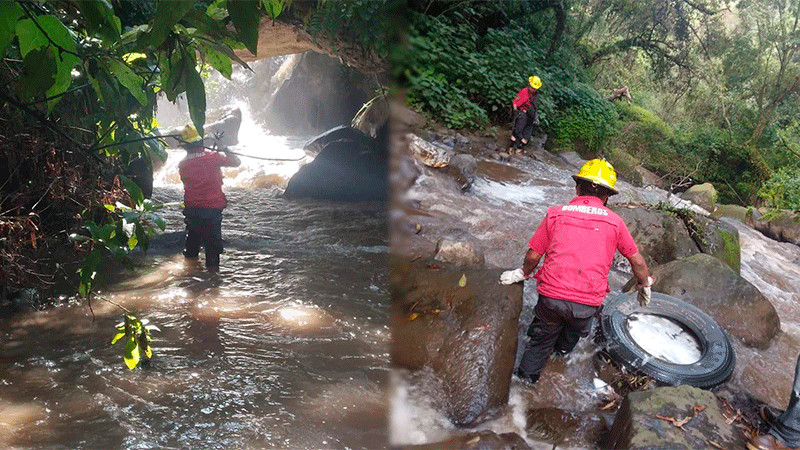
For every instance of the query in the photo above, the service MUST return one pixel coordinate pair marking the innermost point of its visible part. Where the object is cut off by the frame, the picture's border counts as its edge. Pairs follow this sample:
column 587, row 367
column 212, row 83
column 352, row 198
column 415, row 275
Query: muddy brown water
column 285, row 348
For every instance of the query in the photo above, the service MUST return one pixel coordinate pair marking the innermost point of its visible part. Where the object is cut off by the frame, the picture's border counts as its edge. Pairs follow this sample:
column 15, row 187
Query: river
column 286, row 347
column 500, row 212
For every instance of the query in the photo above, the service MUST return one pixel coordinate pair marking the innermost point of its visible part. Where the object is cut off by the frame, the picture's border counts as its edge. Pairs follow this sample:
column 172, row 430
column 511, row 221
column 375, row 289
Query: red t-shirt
column 578, row 241
column 524, row 99
column 202, row 179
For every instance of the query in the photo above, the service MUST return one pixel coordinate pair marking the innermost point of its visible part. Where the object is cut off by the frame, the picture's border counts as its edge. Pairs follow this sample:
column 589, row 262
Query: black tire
column 717, row 358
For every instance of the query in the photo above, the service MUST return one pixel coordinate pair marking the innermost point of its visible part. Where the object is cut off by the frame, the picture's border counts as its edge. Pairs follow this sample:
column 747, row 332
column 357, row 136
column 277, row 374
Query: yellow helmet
column 599, row 171
column 535, row 82
column 189, row 134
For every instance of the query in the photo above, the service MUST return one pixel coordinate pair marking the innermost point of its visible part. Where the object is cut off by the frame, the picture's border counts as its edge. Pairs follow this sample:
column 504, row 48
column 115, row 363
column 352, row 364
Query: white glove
column 645, row 292
column 512, row 276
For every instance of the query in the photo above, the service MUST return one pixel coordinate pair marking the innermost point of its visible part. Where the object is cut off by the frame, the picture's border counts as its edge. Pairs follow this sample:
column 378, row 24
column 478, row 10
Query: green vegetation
column 715, row 87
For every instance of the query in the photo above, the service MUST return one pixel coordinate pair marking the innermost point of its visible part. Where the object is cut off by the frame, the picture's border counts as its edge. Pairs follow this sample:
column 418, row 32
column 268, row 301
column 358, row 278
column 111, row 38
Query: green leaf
column 168, row 13
column 128, row 78
column 148, row 352
column 30, row 37
column 274, row 8
column 56, row 32
column 132, row 354
column 38, row 73
column 10, row 12
column 133, row 189
column 100, row 19
column 246, row 18
column 65, row 63
column 196, row 98
column 132, row 241
column 117, row 337
column 206, row 25
column 219, row 61
column 157, row 148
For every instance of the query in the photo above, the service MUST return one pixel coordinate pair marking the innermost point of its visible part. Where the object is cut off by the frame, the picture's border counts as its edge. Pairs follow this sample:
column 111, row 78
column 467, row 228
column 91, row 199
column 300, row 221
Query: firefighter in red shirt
column 526, row 115
column 578, row 241
column 203, row 198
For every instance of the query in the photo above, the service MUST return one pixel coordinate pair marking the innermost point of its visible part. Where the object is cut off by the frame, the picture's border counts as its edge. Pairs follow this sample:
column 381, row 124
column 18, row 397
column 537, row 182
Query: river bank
column 496, row 216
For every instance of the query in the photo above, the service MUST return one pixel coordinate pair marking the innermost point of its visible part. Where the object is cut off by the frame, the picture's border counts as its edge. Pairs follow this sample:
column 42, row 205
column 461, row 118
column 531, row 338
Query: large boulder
column 703, row 195
column 738, row 212
column 660, row 236
column 344, row 170
column 783, row 225
column 663, row 236
column 313, row 92
column 734, row 303
column 373, row 118
column 649, row 419
column 459, row 326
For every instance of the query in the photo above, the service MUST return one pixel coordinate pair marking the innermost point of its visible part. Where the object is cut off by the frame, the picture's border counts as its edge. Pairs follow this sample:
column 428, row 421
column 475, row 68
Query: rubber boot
column 786, row 428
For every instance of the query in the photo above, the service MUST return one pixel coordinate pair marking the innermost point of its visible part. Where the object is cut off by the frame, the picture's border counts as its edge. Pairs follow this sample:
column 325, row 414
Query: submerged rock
column 643, row 421
column 734, row 303
column 458, row 324
column 457, row 252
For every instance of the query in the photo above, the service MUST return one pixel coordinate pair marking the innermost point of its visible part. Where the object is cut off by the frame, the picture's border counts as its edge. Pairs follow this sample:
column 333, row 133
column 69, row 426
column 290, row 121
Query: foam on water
column 663, row 338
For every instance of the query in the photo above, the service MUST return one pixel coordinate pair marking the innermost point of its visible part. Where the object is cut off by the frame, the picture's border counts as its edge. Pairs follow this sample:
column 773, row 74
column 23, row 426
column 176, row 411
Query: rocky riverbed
column 477, row 215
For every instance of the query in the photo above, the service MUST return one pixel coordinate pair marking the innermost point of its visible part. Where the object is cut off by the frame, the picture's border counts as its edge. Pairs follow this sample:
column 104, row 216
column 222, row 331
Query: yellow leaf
column 463, row 281
column 413, row 316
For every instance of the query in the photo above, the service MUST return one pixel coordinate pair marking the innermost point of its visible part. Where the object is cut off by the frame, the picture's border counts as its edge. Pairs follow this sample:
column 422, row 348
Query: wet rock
column 637, row 426
column 783, row 225
column 491, row 146
column 459, row 324
column 650, row 179
column 463, row 167
column 373, row 118
column 566, row 428
column 223, row 125
column 711, row 285
column 341, row 133
column 720, row 239
column 703, row 195
column 429, row 153
column 344, row 170
column 573, row 159
column 660, row 236
column 479, row 440
column 459, row 253
column 314, row 92
column 740, row 213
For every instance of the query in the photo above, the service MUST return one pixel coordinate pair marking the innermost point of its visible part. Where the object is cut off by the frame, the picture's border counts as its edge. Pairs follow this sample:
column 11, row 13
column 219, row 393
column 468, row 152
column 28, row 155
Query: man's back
column 202, row 180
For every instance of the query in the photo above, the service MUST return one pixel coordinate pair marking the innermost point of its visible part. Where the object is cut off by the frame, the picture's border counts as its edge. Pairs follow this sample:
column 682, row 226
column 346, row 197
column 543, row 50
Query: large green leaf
column 10, row 12
column 38, row 73
column 196, row 97
column 274, row 8
column 133, row 189
column 65, row 63
column 218, row 61
column 168, row 13
column 206, row 25
column 100, row 19
column 30, row 37
column 246, row 18
column 128, row 78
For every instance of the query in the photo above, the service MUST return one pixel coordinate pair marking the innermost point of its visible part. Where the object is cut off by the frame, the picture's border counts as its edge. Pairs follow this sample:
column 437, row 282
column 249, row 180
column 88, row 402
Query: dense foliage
column 715, row 83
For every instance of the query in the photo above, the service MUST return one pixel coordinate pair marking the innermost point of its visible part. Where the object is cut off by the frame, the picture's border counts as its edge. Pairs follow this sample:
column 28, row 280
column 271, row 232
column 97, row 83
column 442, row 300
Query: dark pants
column 557, row 325
column 787, row 426
column 203, row 227
column 524, row 121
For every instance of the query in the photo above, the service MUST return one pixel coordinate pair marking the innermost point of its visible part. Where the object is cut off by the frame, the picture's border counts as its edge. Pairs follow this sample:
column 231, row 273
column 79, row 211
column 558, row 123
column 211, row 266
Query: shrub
column 782, row 190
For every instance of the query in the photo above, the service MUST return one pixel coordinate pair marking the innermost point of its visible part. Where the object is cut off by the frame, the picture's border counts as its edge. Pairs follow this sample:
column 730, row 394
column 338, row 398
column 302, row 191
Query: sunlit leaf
column 110, row 207
column 78, row 237
column 118, row 336
column 132, row 354
column 132, row 241
column 463, row 281
column 219, row 61
column 128, row 78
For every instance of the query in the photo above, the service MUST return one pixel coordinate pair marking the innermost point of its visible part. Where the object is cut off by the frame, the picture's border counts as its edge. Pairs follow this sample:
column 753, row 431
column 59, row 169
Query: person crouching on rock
column 578, row 241
column 203, row 197
column 526, row 115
